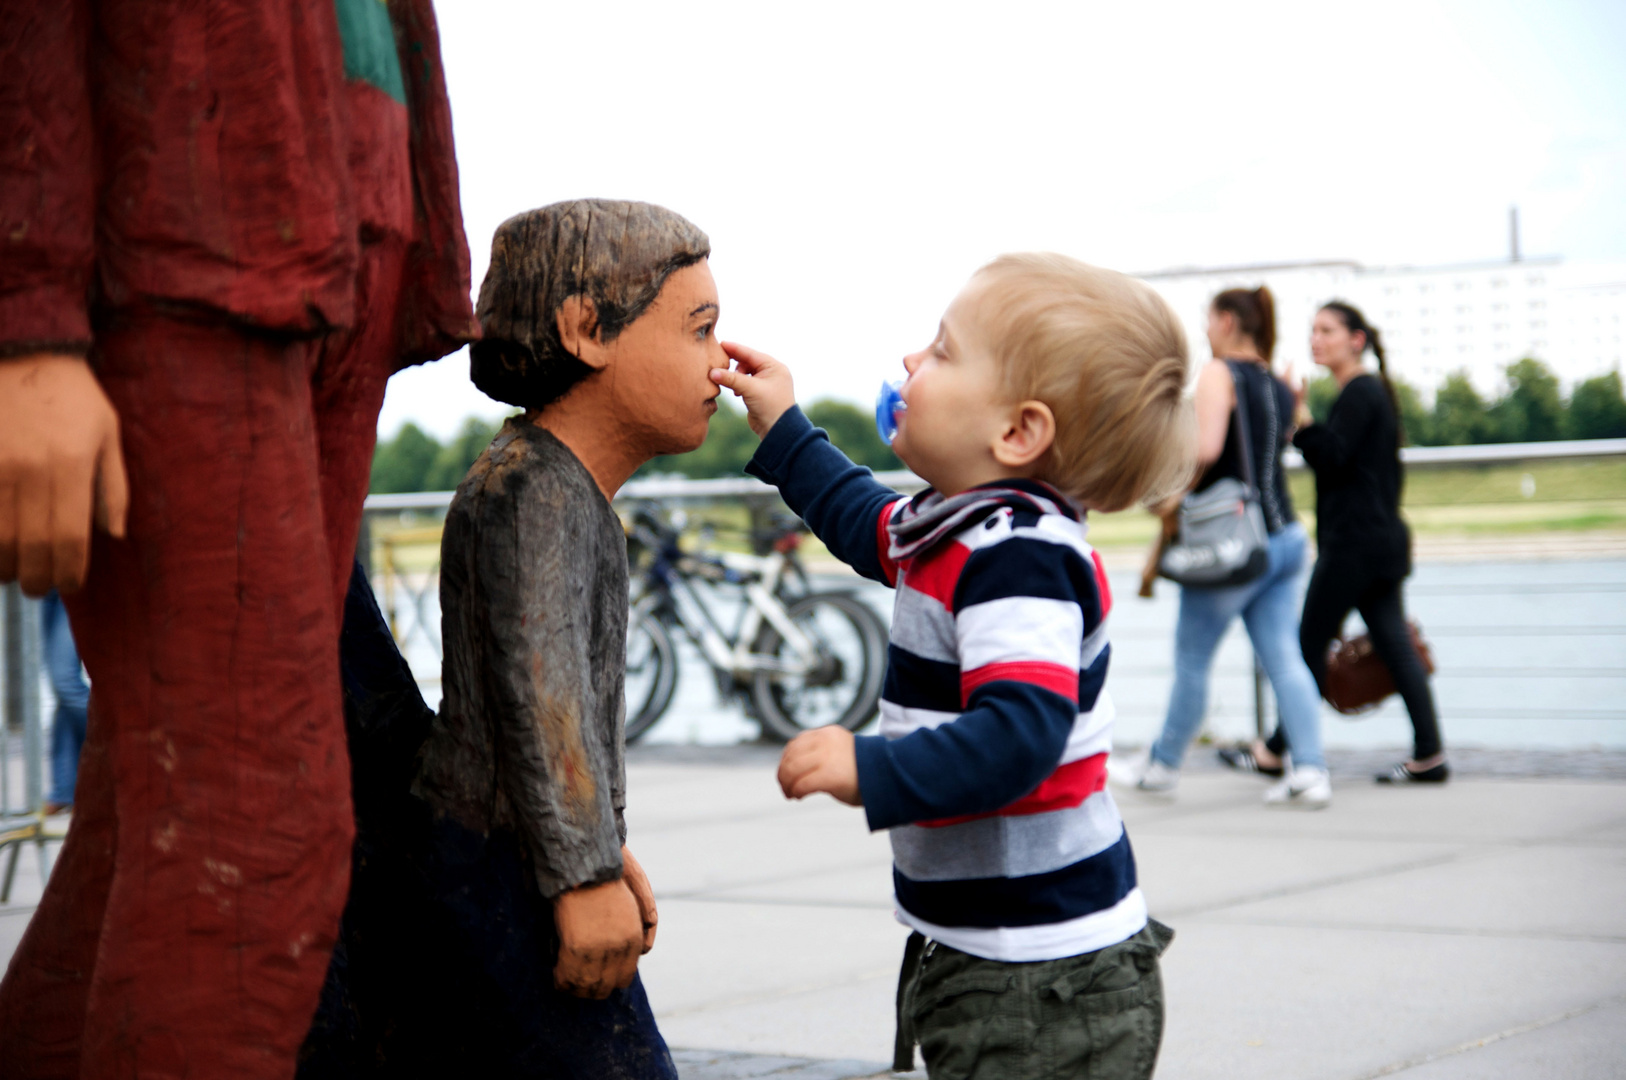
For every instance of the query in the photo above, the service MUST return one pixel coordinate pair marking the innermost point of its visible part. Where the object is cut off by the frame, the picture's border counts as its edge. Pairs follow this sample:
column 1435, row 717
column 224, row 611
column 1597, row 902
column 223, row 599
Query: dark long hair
column 1255, row 311
column 1356, row 323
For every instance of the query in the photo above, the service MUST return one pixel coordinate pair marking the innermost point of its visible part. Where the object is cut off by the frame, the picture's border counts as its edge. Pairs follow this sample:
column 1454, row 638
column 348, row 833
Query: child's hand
column 762, row 382
column 821, row 760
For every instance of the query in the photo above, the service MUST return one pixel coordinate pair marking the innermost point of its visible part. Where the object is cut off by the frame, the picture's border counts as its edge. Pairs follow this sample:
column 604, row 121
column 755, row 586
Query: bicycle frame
column 759, row 577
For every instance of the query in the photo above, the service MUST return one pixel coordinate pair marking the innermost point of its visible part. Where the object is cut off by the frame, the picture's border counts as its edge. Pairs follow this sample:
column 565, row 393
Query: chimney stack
column 1513, row 233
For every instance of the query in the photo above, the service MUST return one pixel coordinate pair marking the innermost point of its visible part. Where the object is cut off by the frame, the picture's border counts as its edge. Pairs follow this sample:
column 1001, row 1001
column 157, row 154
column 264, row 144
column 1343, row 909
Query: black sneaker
column 1439, row 774
column 1241, row 759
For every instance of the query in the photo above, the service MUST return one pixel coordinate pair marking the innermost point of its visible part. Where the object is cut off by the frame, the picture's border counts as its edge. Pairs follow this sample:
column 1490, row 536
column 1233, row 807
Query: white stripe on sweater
column 1021, row 944
column 1018, row 628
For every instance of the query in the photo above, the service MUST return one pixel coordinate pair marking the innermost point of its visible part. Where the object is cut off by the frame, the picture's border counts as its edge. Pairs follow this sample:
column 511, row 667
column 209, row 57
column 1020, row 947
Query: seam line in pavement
column 1308, row 887
column 1506, row 1033
column 1446, row 931
column 776, row 995
column 861, row 905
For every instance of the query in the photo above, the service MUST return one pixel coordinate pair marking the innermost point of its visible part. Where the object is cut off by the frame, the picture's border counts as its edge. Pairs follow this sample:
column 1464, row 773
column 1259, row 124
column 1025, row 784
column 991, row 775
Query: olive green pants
column 1096, row 1015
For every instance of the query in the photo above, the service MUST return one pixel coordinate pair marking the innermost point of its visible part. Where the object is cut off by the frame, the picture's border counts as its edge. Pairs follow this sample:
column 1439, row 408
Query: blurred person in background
column 1364, row 545
column 1242, row 329
column 72, row 701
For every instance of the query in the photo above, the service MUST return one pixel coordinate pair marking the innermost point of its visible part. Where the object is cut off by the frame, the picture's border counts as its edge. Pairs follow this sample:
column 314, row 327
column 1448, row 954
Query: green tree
column 853, row 430
column 1414, row 416
column 1597, row 409
column 1319, row 394
column 403, row 463
column 455, row 458
column 1532, row 409
column 1460, row 416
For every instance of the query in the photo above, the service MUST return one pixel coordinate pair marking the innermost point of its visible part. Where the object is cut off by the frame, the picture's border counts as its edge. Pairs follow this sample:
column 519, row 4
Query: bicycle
column 797, row 659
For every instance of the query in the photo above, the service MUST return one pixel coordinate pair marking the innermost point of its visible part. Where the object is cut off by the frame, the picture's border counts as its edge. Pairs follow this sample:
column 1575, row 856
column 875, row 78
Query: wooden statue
column 497, row 917
column 223, row 226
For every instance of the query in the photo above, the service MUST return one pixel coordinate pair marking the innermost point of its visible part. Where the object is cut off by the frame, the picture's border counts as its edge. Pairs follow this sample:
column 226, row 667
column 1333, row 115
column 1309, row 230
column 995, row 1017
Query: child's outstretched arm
column 841, row 502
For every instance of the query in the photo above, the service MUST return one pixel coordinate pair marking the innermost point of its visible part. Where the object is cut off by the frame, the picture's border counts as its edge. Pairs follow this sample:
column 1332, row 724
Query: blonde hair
column 1108, row 356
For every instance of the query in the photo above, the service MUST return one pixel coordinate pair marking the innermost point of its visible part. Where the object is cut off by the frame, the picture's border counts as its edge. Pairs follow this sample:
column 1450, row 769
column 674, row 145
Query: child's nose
column 912, row 361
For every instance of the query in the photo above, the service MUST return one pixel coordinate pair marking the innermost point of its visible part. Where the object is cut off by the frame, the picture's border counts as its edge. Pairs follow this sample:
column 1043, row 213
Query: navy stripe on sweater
column 1087, row 886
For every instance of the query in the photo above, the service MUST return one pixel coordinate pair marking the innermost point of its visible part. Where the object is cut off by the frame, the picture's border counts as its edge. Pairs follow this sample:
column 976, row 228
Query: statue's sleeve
column 538, row 565
column 47, row 176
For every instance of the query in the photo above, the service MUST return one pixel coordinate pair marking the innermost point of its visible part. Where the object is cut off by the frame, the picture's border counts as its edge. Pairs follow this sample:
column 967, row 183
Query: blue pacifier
column 887, row 407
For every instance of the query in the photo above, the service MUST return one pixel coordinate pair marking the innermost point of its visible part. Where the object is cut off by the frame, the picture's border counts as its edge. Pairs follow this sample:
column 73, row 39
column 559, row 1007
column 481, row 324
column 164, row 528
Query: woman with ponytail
column 1242, row 334
column 1365, row 547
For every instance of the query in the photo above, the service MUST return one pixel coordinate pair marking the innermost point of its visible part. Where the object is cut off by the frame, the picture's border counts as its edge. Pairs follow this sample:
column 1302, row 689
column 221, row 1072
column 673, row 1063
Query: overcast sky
column 853, row 163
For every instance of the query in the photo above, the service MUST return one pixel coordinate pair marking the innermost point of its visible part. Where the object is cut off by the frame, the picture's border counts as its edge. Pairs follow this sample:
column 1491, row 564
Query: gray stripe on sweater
column 1008, row 846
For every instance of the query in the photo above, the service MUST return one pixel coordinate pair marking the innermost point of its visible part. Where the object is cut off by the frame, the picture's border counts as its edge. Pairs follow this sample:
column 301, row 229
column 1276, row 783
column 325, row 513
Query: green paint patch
column 369, row 45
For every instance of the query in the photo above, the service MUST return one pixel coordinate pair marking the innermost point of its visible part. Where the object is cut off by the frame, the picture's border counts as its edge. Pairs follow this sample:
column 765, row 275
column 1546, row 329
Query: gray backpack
column 1222, row 539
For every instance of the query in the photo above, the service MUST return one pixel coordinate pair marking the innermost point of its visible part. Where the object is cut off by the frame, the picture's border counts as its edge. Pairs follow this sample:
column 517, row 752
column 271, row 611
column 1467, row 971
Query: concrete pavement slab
column 1501, row 812
column 713, row 955
column 1182, row 874
column 722, row 1065
column 1296, row 1003
column 1584, row 1047
column 1573, row 892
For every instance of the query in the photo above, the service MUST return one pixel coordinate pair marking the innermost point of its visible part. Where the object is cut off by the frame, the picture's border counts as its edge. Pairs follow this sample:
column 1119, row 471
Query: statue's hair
column 617, row 254
column 1108, row 356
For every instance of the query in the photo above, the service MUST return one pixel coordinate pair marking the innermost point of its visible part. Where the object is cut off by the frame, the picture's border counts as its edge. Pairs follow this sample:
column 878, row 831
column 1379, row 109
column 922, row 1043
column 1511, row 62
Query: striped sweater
column 990, row 767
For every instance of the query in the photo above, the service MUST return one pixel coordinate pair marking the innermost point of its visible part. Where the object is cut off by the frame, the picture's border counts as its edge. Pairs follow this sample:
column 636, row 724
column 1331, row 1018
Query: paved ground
column 1477, row 930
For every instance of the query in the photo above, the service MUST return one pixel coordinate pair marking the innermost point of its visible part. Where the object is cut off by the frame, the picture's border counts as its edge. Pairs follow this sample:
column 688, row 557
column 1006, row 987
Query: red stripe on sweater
column 883, row 541
column 1057, row 678
column 937, row 571
column 1067, row 787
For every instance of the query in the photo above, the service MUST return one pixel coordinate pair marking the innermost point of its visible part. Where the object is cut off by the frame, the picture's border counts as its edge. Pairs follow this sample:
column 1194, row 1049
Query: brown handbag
column 1357, row 680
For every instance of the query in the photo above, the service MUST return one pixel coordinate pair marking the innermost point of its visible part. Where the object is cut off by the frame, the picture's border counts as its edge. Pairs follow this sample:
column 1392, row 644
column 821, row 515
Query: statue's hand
column 60, row 463
column 600, row 939
column 762, row 382
column 633, row 874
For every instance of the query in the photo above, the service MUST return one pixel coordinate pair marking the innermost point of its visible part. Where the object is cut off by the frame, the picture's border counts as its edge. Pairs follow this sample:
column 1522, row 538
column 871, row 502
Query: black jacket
column 1358, row 480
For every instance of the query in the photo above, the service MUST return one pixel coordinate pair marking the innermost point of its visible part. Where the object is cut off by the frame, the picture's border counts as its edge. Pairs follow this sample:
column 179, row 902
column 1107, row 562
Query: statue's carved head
column 603, row 256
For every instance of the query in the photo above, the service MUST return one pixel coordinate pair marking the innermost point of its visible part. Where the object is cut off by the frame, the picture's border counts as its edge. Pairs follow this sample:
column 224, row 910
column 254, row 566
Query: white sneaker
column 1306, row 786
column 1142, row 773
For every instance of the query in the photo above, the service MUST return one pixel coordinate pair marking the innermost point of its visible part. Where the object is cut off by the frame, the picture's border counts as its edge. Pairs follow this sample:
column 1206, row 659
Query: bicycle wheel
column 844, row 684
column 652, row 669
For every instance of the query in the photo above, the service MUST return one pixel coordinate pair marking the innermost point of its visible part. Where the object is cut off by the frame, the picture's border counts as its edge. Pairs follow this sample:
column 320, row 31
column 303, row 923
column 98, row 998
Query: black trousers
column 1338, row 587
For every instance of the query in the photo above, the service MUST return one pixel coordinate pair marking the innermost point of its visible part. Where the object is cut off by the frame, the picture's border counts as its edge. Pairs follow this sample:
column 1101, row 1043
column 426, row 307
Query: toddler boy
column 1051, row 388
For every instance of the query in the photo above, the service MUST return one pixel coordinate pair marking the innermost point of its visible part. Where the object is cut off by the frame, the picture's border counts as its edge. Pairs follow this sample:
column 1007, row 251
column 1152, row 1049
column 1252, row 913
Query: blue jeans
column 72, row 698
column 1269, row 609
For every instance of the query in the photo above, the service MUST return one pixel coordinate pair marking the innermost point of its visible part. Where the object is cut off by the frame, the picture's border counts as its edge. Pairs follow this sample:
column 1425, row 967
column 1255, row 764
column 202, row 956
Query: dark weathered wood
column 533, row 594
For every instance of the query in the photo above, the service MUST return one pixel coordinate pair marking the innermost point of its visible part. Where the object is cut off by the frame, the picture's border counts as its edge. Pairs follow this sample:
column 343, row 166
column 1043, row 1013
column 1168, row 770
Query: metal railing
column 22, row 741
column 407, row 595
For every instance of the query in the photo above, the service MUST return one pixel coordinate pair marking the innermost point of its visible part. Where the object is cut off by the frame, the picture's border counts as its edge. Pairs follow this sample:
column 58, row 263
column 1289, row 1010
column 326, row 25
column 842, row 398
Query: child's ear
column 577, row 321
column 1027, row 436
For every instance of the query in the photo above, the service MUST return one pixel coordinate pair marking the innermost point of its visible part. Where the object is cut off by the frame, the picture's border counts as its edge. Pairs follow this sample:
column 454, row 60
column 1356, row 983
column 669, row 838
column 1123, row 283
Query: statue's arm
column 59, row 445
column 536, row 562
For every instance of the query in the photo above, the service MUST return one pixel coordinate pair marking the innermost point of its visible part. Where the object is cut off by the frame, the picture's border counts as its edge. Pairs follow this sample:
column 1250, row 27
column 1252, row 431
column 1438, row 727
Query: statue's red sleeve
column 47, row 170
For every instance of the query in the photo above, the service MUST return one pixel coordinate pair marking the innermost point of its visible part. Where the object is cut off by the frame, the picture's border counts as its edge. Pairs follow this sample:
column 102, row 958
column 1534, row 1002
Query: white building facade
column 1476, row 318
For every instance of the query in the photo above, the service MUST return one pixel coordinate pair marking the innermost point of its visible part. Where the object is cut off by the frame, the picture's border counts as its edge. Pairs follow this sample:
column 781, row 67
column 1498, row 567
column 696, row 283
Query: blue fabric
column 444, row 964
column 841, row 502
column 1087, row 886
column 1269, row 609
column 72, row 698
column 1009, row 739
column 1012, row 734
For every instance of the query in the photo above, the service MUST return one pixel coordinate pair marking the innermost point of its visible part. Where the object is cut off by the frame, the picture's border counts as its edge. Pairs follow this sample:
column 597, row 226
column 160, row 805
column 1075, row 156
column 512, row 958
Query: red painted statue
column 223, row 225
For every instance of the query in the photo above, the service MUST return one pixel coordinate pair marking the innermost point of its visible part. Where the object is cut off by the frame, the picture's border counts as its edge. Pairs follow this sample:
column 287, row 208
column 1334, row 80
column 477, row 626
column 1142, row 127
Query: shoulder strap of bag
column 1239, row 385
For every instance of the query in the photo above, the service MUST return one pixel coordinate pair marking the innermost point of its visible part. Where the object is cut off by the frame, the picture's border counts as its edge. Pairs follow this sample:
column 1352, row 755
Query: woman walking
column 1365, row 547
column 1242, row 334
